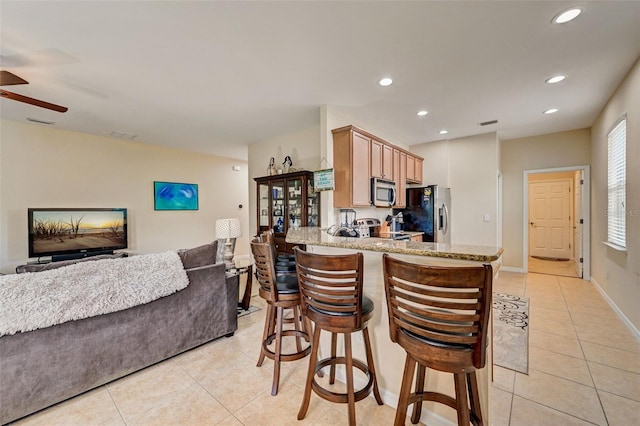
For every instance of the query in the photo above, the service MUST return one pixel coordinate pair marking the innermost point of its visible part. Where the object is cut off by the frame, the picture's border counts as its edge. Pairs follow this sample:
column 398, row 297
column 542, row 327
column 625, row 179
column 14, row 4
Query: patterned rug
column 252, row 309
column 511, row 332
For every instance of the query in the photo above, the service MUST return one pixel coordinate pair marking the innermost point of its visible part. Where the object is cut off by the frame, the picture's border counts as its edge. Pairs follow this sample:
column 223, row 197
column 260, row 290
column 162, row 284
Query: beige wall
column 435, row 167
column 304, row 149
column 618, row 273
column 556, row 150
column 44, row 167
column 469, row 166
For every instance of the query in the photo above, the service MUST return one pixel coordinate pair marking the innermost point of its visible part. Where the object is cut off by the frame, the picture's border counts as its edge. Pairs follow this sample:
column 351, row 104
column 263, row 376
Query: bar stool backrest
column 263, row 259
column 447, row 307
column 331, row 287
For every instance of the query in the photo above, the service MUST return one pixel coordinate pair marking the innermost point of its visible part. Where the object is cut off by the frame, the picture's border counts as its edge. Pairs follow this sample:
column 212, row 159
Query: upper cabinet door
column 381, row 160
column 411, row 168
column 376, row 159
column 360, row 181
column 387, row 162
column 414, row 169
column 400, row 177
column 418, row 170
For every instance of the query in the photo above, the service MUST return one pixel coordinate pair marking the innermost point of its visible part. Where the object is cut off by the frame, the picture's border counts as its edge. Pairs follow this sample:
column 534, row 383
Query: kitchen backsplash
column 361, row 212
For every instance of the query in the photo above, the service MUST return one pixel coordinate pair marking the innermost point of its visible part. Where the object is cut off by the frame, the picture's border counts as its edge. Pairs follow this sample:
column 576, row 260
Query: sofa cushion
column 37, row 267
column 199, row 256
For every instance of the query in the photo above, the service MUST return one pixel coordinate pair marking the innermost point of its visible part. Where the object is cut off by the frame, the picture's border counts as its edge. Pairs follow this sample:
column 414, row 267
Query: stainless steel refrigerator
column 428, row 210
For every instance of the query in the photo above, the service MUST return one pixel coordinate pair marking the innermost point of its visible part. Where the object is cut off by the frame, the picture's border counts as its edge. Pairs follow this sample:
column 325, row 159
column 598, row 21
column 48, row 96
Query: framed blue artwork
column 175, row 196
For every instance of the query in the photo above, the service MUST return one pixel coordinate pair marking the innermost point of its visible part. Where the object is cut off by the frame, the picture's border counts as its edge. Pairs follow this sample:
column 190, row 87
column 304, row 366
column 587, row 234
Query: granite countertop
column 318, row 237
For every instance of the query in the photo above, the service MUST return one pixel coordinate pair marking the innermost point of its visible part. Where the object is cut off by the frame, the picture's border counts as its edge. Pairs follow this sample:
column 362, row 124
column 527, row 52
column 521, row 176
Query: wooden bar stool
column 332, row 298
column 280, row 292
column 285, row 263
column 439, row 315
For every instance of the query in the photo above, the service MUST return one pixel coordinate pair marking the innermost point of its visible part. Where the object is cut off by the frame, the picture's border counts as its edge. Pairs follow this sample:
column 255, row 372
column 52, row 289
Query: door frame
column 586, row 215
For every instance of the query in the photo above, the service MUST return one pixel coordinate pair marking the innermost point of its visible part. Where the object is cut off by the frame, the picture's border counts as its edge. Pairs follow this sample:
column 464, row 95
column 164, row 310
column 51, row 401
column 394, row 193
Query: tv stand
column 71, row 256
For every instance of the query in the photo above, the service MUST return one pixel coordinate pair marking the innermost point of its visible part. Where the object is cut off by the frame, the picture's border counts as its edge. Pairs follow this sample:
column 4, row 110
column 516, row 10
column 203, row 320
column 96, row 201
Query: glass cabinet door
column 313, row 205
column 263, row 207
column 294, row 191
column 278, row 206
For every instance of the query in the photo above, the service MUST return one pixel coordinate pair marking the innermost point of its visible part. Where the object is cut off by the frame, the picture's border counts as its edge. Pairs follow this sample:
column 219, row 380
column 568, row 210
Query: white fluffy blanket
column 42, row 299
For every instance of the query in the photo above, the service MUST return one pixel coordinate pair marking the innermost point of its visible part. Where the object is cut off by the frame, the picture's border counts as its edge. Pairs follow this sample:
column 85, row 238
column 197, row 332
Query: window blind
column 616, row 172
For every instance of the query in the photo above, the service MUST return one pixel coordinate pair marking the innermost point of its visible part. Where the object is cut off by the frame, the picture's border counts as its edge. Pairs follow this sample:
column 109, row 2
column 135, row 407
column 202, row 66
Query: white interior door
column 550, row 218
column 578, row 219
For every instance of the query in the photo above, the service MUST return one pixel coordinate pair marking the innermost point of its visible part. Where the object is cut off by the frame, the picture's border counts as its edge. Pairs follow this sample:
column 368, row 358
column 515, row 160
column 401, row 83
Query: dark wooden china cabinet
column 286, row 201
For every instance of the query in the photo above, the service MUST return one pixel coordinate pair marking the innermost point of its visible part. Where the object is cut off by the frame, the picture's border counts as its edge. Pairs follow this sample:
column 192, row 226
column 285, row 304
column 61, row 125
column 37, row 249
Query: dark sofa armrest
column 224, row 291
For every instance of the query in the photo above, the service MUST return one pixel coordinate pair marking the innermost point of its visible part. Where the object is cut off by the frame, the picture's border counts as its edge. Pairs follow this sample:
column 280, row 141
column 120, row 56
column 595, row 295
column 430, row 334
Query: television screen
column 59, row 231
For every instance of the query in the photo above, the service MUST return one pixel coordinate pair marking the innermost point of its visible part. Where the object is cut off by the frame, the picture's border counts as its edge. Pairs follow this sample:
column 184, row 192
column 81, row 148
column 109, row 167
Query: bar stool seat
column 439, row 316
column 287, row 284
column 281, row 292
column 332, row 298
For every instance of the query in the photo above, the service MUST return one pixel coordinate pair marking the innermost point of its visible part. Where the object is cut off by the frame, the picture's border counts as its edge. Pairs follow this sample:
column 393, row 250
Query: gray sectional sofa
column 46, row 366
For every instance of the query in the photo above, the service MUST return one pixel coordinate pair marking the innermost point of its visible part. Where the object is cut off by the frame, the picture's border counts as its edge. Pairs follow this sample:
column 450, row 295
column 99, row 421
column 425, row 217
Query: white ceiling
column 217, row 76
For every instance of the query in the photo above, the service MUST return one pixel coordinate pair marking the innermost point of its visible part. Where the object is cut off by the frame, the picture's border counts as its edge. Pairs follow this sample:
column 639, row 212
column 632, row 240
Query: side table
column 248, row 271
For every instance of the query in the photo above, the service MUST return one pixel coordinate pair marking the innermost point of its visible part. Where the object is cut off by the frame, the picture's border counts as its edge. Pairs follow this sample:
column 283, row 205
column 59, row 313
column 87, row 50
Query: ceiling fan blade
column 32, row 101
column 10, row 79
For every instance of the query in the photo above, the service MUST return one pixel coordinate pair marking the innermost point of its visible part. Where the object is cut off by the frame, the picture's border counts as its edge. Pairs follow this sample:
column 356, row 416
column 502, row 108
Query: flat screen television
column 67, row 233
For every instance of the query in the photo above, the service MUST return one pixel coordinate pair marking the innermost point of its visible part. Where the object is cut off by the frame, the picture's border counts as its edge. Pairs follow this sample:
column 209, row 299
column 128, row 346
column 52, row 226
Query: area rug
column 511, row 332
column 252, row 309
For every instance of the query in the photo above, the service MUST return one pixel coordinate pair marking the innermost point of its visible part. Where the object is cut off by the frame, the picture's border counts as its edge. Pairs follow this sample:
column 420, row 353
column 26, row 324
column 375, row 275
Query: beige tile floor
column 584, row 363
column 584, row 369
column 564, row 268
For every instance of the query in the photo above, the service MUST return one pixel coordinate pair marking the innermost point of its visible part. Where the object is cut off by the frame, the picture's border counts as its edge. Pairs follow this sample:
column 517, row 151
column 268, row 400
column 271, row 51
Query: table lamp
column 227, row 229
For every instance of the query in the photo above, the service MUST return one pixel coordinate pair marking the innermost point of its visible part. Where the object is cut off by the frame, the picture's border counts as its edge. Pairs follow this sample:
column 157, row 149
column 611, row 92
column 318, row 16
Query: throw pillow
column 199, row 256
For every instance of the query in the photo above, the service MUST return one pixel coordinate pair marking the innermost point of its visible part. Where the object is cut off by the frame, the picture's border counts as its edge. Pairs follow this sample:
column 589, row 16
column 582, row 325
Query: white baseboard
column 634, row 330
column 512, row 269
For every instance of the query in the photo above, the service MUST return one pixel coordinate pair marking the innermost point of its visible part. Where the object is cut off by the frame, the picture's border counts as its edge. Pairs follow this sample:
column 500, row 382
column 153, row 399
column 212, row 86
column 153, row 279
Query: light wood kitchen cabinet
column 358, row 156
column 400, row 177
column 414, row 169
column 351, row 168
column 285, row 201
column 381, row 160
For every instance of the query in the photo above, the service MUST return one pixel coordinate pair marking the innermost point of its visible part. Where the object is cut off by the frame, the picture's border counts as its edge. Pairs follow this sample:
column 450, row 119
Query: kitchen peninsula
column 389, row 357
column 314, row 236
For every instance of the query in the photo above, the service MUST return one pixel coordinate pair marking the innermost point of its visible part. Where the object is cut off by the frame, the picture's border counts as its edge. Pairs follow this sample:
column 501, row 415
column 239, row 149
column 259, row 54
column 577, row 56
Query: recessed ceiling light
column 555, row 79
column 443, row 132
column 551, row 111
column 567, row 15
column 385, row 81
column 422, row 113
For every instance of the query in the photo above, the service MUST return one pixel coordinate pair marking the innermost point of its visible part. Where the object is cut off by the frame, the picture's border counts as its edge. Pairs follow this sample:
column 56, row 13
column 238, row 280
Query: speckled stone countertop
column 316, row 236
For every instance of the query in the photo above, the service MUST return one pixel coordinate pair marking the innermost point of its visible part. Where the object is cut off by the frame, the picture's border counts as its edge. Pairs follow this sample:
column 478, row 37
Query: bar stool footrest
column 287, row 357
column 341, row 397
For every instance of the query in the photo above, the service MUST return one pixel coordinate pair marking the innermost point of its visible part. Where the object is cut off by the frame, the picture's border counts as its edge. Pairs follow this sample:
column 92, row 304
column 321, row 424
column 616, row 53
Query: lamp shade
column 228, row 228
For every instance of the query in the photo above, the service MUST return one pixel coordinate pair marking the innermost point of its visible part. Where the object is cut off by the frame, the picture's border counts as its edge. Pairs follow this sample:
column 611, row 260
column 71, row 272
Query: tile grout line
column 115, row 404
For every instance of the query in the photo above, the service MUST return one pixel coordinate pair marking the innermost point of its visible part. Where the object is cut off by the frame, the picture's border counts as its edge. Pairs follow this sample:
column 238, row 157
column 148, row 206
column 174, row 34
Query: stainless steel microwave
column 383, row 192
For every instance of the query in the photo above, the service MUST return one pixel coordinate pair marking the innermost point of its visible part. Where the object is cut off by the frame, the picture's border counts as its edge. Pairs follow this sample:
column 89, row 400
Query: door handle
column 531, row 223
